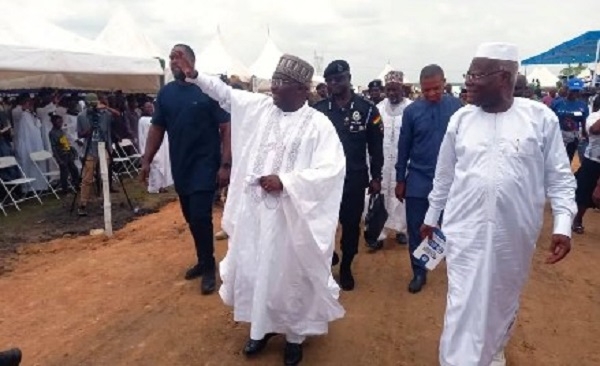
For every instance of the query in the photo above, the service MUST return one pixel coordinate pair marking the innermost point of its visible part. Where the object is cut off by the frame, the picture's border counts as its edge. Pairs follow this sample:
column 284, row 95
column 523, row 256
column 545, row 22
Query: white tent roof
column 267, row 61
column 31, row 68
column 214, row 59
column 40, row 33
column 545, row 76
column 45, row 55
column 123, row 36
column 587, row 73
column 387, row 68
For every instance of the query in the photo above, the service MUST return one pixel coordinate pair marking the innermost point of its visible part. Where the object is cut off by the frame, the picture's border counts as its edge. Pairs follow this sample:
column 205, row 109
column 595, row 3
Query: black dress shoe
column 335, row 259
column 292, row 354
column 11, row 357
column 378, row 245
column 417, row 283
column 194, row 272
column 401, row 238
column 208, row 283
column 346, row 278
column 254, row 347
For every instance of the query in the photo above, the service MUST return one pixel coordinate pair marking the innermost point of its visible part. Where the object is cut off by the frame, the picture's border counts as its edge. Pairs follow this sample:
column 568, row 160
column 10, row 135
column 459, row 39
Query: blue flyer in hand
column 431, row 251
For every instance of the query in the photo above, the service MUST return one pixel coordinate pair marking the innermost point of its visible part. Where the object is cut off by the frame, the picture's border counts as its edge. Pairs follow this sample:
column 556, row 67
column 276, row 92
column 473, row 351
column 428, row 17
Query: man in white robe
column 160, row 169
column 391, row 110
column 43, row 113
column 500, row 159
column 282, row 209
column 29, row 139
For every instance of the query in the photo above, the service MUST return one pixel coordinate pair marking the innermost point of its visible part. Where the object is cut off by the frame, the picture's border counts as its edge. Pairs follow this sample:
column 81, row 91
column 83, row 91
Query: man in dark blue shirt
column 424, row 125
column 196, row 127
column 572, row 113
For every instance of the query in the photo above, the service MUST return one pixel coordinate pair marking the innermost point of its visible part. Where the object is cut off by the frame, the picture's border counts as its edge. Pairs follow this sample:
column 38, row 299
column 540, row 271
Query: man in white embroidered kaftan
column 391, row 110
column 500, row 159
column 282, row 209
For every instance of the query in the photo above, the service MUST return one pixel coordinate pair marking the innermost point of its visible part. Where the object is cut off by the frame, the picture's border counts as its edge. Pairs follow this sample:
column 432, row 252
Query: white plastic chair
column 10, row 186
column 135, row 158
column 44, row 156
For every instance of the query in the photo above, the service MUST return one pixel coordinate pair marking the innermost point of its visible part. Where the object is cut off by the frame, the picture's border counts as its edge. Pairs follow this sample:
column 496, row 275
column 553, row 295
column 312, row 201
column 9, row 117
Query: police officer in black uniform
column 375, row 91
column 360, row 128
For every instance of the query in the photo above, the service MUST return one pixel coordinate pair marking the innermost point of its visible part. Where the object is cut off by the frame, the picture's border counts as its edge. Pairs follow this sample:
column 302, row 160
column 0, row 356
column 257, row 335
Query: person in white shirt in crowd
column 29, row 139
column 46, row 100
column 160, row 176
column 17, row 112
column 500, row 159
column 282, row 210
column 391, row 110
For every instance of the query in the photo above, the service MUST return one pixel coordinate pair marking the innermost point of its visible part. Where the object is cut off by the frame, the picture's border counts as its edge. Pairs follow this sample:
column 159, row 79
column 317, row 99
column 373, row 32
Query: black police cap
column 336, row 67
column 376, row 84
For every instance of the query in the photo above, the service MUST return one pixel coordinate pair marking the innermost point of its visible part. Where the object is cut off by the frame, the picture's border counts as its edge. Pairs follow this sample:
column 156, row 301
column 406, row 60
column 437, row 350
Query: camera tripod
column 88, row 144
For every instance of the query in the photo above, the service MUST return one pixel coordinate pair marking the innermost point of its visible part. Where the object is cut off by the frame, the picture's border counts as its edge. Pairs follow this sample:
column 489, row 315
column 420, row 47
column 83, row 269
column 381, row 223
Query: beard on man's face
column 177, row 73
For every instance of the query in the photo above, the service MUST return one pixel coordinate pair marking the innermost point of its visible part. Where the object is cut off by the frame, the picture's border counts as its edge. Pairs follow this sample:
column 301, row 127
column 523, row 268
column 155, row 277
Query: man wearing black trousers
column 359, row 127
column 196, row 126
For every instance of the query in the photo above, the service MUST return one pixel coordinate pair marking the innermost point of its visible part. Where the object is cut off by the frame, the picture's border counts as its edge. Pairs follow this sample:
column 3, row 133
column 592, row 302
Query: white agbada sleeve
column 246, row 110
column 228, row 98
column 559, row 181
column 444, row 174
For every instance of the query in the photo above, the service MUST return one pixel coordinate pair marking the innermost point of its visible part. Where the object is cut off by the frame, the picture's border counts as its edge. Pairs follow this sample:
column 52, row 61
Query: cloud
column 409, row 34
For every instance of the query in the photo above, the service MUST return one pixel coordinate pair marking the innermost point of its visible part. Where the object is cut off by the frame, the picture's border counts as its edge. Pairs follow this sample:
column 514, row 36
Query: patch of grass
column 38, row 223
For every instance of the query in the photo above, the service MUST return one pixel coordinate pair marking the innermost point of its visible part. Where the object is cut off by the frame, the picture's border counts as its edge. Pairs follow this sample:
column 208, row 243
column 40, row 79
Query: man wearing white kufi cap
column 282, row 210
column 501, row 158
column 391, row 110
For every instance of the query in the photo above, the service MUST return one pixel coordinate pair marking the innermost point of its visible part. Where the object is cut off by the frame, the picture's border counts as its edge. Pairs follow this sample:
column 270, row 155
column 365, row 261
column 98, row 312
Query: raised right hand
column 185, row 64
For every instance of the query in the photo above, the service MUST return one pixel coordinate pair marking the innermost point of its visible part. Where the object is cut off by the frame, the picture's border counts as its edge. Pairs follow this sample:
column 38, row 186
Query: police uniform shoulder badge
column 377, row 122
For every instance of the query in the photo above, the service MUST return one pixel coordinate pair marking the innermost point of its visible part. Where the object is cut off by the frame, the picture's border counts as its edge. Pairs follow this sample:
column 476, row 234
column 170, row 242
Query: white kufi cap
column 498, row 51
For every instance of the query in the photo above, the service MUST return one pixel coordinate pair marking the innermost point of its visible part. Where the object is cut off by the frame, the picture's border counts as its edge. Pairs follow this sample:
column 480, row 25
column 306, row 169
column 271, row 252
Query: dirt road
column 91, row 301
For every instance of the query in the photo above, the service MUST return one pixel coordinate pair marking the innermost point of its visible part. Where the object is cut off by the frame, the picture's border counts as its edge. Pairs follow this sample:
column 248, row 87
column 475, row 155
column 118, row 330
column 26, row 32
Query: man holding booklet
column 500, row 159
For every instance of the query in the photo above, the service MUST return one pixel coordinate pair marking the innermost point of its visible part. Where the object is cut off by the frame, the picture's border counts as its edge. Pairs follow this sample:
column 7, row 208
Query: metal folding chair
column 135, row 158
column 44, row 156
column 121, row 163
column 10, row 186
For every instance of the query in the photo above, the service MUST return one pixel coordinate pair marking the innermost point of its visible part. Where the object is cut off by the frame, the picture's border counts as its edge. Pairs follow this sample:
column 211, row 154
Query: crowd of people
column 298, row 164
column 62, row 124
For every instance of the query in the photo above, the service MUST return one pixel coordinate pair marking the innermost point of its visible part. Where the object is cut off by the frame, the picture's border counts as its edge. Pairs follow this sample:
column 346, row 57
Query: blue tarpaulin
column 579, row 50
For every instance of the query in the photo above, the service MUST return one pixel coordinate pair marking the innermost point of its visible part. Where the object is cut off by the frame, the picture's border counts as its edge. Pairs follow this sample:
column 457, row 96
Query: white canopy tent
column 32, row 68
column 586, row 74
column 262, row 69
column 41, row 54
column 122, row 36
column 214, row 59
column 546, row 77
